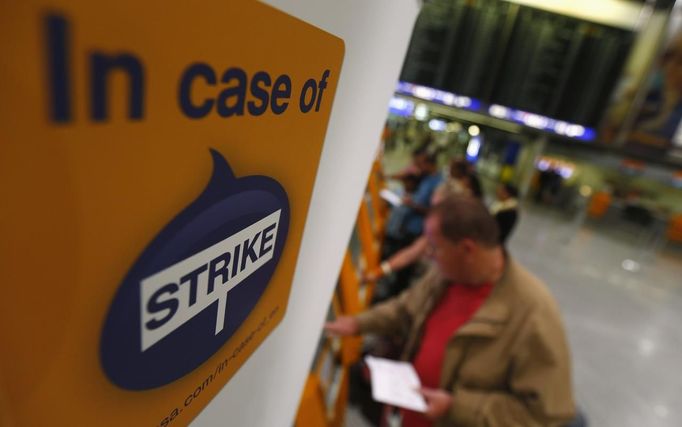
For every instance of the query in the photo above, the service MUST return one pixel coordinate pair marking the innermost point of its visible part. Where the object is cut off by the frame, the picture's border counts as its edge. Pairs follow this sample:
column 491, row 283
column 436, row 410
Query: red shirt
column 456, row 307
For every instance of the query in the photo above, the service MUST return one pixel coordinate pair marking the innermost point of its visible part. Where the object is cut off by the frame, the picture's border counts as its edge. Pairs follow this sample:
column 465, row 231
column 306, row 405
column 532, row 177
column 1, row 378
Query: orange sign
column 156, row 167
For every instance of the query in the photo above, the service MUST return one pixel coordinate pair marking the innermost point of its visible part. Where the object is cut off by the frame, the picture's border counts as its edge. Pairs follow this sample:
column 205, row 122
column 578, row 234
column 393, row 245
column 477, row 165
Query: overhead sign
column 526, row 118
column 156, row 167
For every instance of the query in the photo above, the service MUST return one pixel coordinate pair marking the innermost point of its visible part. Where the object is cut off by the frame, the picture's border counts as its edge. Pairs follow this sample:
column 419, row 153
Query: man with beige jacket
column 485, row 335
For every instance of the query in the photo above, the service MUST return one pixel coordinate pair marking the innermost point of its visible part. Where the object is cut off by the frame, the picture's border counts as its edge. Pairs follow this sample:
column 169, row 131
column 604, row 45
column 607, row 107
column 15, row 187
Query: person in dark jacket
column 506, row 210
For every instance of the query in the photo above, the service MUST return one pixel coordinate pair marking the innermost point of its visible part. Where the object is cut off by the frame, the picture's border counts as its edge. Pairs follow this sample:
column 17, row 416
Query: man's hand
column 343, row 326
column 437, row 402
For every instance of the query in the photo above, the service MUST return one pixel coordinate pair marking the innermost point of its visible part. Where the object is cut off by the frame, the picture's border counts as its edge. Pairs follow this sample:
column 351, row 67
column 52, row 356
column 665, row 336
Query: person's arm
column 403, row 173
column 392, row 317
column 540, row 389
column 399, row 260
column 388, row 318
column 418, row 207
column 408, row 255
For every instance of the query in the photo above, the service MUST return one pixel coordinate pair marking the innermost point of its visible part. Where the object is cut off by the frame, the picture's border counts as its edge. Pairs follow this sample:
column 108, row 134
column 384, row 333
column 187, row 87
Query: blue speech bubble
column 228, row 205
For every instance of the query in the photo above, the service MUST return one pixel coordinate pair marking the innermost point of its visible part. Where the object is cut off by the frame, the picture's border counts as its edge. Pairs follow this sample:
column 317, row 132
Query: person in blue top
column 406, row 222
column 419, row 202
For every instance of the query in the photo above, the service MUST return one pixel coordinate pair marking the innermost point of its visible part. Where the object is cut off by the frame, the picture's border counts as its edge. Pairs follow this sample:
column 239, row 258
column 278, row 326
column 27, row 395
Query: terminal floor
column 624, row 327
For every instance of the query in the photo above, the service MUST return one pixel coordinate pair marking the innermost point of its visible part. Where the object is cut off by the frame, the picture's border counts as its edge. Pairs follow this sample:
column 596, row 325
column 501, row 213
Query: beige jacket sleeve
column 540, row 384
column 392, row 317
column 395, row 316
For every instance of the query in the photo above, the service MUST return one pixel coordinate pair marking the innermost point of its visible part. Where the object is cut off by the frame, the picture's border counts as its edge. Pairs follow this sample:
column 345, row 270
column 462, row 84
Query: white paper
column 391, row 197
column 395, row 383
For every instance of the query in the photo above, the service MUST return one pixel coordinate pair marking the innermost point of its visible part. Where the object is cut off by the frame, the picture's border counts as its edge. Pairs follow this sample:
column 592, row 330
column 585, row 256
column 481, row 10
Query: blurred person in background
column 412, row 168
column 461, row 182
column 462, row 179
column 420, row 201
column 406, row 222
column 473, row 182
column 484, row 335
column 506, row 210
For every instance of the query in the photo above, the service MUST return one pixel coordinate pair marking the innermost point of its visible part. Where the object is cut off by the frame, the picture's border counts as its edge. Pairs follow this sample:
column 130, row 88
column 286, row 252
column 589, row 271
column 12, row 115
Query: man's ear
column 469, row 246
